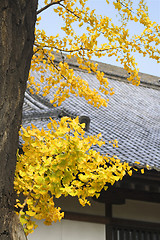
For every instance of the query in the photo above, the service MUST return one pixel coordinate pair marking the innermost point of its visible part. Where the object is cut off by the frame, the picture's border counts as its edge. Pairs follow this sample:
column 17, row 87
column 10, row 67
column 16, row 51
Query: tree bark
column 17, row 24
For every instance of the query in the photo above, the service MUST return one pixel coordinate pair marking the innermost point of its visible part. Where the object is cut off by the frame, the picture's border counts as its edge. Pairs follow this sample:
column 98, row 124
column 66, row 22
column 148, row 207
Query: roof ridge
column 118, row 73
column 43, row 114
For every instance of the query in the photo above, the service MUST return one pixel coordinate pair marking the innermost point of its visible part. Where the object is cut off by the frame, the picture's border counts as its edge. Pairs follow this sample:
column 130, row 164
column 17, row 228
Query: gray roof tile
column 132, row 117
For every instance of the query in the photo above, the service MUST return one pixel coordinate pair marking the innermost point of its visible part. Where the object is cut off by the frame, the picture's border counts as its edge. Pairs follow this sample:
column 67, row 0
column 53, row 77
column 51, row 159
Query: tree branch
column 69, row 10
column 75, row 50
column 47, row 6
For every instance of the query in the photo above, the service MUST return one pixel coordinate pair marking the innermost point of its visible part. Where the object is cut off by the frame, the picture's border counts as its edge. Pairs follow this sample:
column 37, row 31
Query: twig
column 48, row 5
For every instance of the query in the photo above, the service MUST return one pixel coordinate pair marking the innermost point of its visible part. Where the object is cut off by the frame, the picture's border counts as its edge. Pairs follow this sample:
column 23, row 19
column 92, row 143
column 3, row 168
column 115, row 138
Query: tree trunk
column 17, row 24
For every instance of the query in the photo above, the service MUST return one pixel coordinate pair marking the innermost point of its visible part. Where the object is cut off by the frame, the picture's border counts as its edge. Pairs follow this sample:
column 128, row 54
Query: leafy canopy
column 60, row 161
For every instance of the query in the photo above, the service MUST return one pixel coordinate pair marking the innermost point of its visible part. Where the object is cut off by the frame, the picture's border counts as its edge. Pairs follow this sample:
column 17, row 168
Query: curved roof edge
column 114, row 72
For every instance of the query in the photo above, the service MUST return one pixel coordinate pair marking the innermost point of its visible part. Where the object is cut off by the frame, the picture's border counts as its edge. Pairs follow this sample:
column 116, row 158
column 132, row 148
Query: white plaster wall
column 76, row 230
column 43, row 232
column 69, row 230
column 72, row 230
column 137, row 210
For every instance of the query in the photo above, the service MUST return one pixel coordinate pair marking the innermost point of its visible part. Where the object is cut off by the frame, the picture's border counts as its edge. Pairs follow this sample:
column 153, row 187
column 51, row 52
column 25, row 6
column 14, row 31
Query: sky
column 51, row 23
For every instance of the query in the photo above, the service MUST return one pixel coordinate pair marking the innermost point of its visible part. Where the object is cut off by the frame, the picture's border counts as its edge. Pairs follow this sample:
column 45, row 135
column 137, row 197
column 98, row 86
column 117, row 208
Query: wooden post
column 108, row 215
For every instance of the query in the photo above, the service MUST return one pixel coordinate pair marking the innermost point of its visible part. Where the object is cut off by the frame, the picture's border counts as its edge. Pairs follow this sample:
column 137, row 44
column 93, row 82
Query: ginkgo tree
column 71, row 167
column 60, row 161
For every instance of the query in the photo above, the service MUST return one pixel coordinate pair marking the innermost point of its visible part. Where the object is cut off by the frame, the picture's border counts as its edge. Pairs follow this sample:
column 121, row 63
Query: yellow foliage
column 117, row 42
column 60, row 161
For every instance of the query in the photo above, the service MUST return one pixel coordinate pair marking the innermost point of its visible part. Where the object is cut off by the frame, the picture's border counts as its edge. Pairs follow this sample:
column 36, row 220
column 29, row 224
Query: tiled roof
column 132, row 117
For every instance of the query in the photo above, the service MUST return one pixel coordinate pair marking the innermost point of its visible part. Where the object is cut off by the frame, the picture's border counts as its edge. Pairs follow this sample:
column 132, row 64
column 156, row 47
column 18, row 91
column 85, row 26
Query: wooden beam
column 86, row 218
column 135, row 224
column 118, row 195
column 116, row 222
